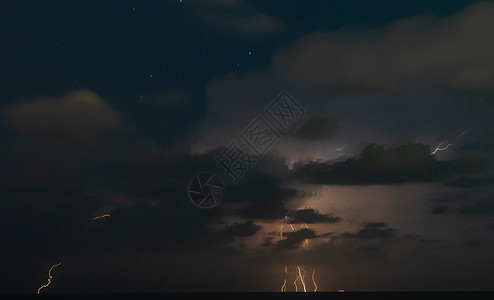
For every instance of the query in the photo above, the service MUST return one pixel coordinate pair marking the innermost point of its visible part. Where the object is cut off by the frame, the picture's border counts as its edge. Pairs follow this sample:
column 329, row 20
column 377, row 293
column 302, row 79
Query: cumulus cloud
column 296, row 238
column 311, row 216
column 77, row 114
column 454, row 51
column 228, row 233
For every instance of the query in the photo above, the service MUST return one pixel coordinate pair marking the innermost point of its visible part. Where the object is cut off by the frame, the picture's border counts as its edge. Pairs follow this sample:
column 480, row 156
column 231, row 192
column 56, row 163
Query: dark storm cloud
column 450, row 199
column 146, row 214
column 54, row 185
column 58, row 180
column 267, row 242
column 377, row 165
column 156, row 227
column 440, row 210
column 473, row 243
column 373, row 230
column 265, row 195
column 485, row 144
column 228, row 233
column 317, row 128
column 469, row 182
column 484, row 206
column 156, row 174
column 372, row 251
column 296, row 238
column 311, row 216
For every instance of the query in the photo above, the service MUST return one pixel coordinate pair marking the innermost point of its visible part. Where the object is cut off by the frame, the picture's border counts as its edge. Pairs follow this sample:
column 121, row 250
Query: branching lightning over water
column 283, row 287
column 441, row 146
column 300, row 270
column 302, row 280
column 49, row 277
column 314, row 280
column 102, row 216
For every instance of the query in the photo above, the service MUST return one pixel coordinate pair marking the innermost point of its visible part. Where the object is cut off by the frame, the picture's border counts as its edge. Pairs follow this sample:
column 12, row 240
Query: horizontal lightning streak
column 102, row 216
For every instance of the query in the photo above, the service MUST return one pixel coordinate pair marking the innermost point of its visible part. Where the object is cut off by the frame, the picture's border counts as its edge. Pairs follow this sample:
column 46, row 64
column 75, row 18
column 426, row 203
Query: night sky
column 382, row 177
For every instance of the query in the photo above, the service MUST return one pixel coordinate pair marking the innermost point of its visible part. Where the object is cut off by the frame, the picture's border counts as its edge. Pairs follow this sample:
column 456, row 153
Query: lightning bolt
column 283, row 287
column 295, row 283
column 314, row 280
column 102, row 216
column 440, row 147
column 49, row 277
column 301, row 277
column 340, row 150
column 291, row 226
column 300, row 270
column 306, row 241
